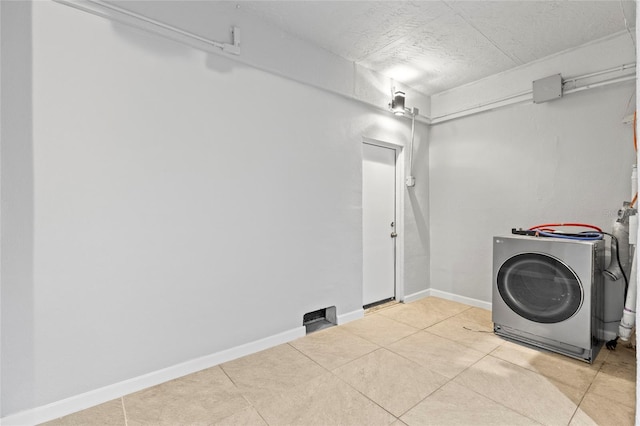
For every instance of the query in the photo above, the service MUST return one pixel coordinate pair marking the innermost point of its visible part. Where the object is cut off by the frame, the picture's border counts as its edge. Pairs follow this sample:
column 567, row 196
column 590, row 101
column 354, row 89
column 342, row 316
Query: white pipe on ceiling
column 101, row 8
column 527, row 95
column 598, row 73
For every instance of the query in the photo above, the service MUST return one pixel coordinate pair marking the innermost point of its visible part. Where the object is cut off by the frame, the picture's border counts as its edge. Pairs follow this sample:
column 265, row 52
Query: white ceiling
column 435, row 45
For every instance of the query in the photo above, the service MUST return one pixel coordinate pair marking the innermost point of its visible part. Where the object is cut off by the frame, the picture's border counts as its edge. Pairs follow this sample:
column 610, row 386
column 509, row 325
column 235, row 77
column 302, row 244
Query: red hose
column 582, row 225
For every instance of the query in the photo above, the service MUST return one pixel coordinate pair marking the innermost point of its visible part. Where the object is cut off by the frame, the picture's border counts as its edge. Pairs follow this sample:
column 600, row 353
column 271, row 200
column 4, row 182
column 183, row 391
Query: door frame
column 399, row 207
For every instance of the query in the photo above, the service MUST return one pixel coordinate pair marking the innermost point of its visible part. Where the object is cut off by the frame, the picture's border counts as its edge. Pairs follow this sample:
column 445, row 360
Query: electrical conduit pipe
column 629, row 313
column 619, row 258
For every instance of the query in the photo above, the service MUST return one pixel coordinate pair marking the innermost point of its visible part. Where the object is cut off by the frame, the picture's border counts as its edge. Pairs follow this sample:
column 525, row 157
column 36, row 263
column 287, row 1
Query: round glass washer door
column 539, row 288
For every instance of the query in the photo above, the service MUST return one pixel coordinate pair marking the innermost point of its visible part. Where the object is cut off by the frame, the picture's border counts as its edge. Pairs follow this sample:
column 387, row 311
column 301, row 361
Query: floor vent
column 320, row 319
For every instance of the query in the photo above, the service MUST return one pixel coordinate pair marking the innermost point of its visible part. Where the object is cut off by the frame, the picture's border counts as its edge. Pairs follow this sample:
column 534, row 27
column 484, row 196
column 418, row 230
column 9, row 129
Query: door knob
column 393, row 235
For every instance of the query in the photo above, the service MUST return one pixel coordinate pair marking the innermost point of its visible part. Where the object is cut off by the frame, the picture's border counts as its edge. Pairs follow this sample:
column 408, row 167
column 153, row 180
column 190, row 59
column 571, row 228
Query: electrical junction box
column 547, row 89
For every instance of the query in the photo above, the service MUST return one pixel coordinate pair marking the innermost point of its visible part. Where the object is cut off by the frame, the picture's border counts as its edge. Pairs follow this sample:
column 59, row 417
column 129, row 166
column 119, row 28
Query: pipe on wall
column 527, row 95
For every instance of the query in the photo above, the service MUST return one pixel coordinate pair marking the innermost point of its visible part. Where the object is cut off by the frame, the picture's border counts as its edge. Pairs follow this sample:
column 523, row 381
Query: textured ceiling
column 436, row 45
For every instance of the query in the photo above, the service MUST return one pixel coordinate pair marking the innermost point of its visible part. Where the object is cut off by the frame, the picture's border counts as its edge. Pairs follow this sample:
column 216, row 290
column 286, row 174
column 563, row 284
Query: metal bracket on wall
column 127, row 17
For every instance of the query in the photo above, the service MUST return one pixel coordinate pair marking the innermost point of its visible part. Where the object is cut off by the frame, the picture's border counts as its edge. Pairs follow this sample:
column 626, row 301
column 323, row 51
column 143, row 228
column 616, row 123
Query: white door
column 378, row 222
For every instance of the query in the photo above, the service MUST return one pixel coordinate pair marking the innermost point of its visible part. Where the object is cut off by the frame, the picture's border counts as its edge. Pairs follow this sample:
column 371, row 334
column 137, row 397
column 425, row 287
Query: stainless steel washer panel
column 551, row 292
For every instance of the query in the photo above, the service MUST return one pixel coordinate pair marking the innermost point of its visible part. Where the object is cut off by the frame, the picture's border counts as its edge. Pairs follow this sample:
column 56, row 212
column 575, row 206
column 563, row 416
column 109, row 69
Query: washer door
column 539, row 288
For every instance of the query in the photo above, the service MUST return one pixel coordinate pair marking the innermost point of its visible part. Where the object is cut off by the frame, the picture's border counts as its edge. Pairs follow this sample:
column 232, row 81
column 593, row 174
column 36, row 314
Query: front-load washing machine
column 548, row 292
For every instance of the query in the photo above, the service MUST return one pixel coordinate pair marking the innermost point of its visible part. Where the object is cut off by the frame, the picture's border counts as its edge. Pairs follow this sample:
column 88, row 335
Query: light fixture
column 397, row 107
column 397, row 103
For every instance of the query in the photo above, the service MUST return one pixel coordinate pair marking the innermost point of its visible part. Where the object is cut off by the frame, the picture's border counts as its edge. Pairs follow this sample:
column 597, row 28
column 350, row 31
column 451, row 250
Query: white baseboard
column 416, row 296
column 350, row 316
column 431, row 292
column 98, row 396
column 462, row 299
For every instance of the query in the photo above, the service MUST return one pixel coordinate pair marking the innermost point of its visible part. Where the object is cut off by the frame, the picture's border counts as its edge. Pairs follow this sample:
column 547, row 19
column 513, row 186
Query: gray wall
column 158, row 205
column 161, row 204
column 568, row 160
column 17, row 316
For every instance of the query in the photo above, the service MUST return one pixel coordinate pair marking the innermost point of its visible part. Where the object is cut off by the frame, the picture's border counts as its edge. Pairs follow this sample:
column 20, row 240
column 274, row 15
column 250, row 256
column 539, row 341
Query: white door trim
column 400, row 197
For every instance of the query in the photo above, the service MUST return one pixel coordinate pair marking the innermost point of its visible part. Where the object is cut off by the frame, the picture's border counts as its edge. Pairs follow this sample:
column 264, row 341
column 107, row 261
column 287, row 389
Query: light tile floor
column 431, row 362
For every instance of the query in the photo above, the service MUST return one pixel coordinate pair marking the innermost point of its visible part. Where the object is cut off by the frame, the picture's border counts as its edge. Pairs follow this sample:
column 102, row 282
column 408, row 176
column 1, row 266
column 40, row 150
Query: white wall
column 159, row 206
column 563, row 161
column 16, row 207
column 168, row 206
column 271, row 49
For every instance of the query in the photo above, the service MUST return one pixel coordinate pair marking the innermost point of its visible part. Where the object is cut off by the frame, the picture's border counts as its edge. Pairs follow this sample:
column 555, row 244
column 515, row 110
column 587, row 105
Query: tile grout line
column 357, row 390
column 545, row 377
column 417, row 330
column 448, row 318
column 308, row 357
column 348, row 332
column 124, row 411
column 613, row 400
column 228, row 376
column 438, row 321
column 587, row 390
column 326, row 371
column 427, row 396
column 427, row 368
column 444, row 384
column 545, row 351
column 379, row 347
column 450, row 380
column 346, row 383
column 488, row 397
column 579, row 403
column 235, row 385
